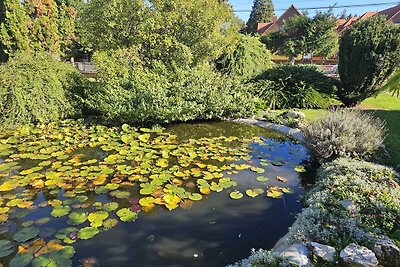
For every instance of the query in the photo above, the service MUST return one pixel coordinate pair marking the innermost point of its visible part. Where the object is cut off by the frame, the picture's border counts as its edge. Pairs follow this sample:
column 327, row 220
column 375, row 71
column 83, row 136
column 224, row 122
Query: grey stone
column 348, row 205
column 357, row 256
column 294, row 115
column 385, row 250
column 324, row 252
column 297, row 254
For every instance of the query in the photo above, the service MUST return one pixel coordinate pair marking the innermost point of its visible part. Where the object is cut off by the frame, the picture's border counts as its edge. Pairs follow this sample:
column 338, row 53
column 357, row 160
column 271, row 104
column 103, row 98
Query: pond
column 200, row 194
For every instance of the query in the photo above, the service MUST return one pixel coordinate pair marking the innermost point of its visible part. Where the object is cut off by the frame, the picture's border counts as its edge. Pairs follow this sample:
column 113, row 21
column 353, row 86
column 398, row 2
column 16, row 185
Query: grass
column 385, row 107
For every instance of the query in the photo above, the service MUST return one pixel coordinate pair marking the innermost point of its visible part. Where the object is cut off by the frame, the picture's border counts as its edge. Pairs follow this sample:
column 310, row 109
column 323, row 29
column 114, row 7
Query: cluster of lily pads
column 71, row 163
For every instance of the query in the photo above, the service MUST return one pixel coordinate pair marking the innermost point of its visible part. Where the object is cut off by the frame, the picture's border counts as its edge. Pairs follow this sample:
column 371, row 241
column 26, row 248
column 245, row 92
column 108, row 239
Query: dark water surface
column 215, row 231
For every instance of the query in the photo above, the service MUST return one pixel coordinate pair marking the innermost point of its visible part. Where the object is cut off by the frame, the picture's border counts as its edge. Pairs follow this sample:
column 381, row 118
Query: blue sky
column 284, row 4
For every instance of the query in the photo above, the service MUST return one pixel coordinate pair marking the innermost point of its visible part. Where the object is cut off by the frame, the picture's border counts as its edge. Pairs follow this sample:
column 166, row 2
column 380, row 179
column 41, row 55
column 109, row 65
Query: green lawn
column 385, row 107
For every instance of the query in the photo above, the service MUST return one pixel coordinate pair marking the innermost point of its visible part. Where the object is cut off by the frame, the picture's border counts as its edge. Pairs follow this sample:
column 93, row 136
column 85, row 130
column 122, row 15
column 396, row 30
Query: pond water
column 217, row 228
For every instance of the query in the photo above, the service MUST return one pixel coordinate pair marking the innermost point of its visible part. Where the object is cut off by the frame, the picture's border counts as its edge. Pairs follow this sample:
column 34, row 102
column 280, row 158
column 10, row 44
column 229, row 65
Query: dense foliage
column 139, row 96
column 248, row 59
column 36, row 88
column 369, row 53
column 177, row 32
column 304, row 35
column 344, row 133
column 262, row 11
column 37, row 26
column 299, row 86
column 393, row 84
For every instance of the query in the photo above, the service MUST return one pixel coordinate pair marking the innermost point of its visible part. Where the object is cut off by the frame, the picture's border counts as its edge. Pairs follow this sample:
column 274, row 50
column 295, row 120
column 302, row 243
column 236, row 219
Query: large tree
column 304, row 35
column 262, row 11
column 37, row 26
column 174, row 31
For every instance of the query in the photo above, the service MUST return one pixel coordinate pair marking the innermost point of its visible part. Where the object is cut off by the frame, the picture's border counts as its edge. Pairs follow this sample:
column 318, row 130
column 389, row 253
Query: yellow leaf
column 8, row 186
column 100, row 179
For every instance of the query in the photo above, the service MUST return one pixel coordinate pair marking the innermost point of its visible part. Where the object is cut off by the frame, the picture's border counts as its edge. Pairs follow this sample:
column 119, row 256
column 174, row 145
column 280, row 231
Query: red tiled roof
column 392, row 14
column 277, row 23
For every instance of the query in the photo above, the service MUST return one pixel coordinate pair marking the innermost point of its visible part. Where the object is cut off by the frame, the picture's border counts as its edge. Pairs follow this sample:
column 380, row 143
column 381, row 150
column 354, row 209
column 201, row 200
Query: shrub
column 34, row 88
column 299, row 86
column 369, row 53
column 248, row 59
column 133, row 94
column 344, row 133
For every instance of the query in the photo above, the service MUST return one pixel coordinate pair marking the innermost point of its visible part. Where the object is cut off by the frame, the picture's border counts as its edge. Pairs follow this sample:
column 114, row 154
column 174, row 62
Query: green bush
column 344, row 133
column 36, row 88
column 129, row 93
column 248, row 59
column 298, row 86
column 369, row 53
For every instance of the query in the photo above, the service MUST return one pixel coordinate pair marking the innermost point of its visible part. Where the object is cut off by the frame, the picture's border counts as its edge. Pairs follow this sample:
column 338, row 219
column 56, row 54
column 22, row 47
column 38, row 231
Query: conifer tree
column 262, row 11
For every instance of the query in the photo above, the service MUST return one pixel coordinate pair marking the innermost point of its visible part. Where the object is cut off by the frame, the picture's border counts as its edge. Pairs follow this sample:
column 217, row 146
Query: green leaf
column 88, row 232
column 6, row 248
column 26, row 234
column 111, row 206
column 236, row 195
column 262, row 179
column 195, row 197
column 300, row 169
column 60, row 211
column 77, row 217
column 126, row 215
column 254, row 192
column 21, row 260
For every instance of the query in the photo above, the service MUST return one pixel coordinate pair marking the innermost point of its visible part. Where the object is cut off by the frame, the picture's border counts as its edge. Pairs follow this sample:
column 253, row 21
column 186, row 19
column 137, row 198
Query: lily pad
column 77, row 217
column 126, row 215
column 300, row 169
column 111, row 206
column 60, row 211
column 88, row 232
column 26, row 234
column 236, row 195
column 262, row 179
column 6, row 248
column 195, row 197
column 254, row 192
column 274, row 192
column 21, row 260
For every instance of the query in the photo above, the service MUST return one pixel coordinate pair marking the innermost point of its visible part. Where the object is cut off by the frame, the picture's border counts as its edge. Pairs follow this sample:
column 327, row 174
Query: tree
column 248, row 58
column 304, row 35
column 37, row 26
column 393, row 84
column 14, row 32
column 262, row 11
column 369, row 54
column 175, row 31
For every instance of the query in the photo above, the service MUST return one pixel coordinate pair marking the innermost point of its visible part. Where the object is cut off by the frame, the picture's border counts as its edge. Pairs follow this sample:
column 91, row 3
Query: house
column 392, row 15
column 277, row 23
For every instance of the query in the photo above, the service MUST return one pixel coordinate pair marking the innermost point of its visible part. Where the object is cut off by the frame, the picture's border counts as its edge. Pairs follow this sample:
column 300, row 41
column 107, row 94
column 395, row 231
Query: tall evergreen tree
column 262, row 11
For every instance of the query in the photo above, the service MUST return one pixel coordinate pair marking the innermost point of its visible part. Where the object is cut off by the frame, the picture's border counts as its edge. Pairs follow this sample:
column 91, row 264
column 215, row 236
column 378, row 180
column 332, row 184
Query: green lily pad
column 21, row 260
column 254, row 192
column 262, row 179
column 236, row 195
column 287, row 190
column 96, row 218
column 111, row 206
column 87, row 232
column 195, row 197
column 110, row 223
column 126, row 215
column 300, row 169
column 77, row 217
column 60, row 211
column 6, row 248
column 120, row 194
column 26, row 234
column 257, row 170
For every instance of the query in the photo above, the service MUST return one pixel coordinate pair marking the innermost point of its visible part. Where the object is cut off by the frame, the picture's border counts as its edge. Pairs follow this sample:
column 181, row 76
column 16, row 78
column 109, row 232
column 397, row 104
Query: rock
column 297, row 254
column 385, row 250
column 327, row 253
column 348, row 205
column 357, row 256
column 297, row 115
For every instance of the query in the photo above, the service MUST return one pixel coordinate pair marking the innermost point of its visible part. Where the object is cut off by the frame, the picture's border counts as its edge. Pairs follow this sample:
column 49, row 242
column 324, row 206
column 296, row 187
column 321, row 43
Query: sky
column 281, row 5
